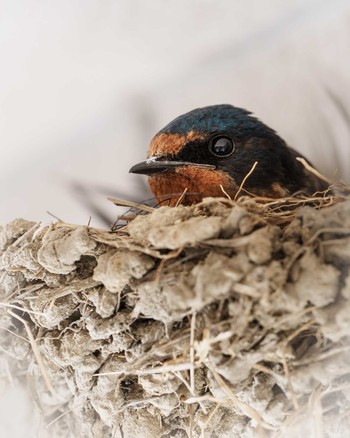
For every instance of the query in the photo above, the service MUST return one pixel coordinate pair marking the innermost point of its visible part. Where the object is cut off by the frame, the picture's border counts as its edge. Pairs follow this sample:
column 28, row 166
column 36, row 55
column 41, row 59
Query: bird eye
column 221, row 146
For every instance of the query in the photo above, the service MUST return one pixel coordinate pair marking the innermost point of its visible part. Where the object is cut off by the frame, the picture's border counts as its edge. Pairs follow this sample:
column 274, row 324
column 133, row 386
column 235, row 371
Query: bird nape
column 211, row 151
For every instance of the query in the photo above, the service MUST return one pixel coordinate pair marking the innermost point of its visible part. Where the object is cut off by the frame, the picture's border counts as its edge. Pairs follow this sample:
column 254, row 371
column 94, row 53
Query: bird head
column 210, row 151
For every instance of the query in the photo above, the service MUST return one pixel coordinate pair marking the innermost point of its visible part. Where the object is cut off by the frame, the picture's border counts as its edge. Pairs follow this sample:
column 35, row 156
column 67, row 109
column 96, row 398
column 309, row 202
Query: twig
column 315, row 406
column 225, row 193
column 190, row 399
column 339, row 230
column 190, row 429
column 35, row 351
column 13, row 306
column 245, row 179
column 208, row 398
column 313, row 170
column 186, row 366
column 300, row 329
column 243, row 407
column 212, row 413
column 289, row 381
column 192, row 353
column 66, row 412
column 123, row 203
column 54, row 216
column 165, row 258
column 178, row 202
column 284, row 362
column 322, row 356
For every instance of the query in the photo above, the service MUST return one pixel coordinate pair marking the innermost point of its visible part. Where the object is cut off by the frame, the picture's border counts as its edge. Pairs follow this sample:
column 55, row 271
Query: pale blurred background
column 85, row 84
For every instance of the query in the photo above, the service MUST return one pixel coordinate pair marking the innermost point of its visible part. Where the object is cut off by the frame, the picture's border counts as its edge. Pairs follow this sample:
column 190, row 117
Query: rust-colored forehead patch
column 171, row 144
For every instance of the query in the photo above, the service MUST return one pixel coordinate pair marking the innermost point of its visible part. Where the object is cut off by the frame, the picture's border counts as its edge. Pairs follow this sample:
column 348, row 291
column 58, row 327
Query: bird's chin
column 189, row 184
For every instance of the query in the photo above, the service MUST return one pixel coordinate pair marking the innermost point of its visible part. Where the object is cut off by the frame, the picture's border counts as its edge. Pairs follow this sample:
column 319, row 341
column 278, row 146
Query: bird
column 223, row 150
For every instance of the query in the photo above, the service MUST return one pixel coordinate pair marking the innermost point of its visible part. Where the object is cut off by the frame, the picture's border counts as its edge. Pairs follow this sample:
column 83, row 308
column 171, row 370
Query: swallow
column 211, row 151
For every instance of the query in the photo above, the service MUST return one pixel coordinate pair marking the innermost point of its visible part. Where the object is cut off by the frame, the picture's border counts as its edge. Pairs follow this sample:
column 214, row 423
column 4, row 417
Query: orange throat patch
column 191, row 184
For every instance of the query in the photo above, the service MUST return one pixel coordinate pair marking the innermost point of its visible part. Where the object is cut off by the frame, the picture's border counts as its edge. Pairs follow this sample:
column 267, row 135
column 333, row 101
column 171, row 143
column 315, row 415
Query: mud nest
column 222, row 319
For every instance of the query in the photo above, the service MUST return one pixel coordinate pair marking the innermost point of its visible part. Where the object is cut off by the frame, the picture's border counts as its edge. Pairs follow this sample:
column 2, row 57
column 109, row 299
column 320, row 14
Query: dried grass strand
column 243, row 407
column 36, row 352
column 313, row 170
column 225, row 193
column 192, row 351
column 123, row 203
column 178, row 202
column 245, row 179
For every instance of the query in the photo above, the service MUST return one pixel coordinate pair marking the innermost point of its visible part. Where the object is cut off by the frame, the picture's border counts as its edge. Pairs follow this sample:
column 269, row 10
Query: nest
column 221, row 319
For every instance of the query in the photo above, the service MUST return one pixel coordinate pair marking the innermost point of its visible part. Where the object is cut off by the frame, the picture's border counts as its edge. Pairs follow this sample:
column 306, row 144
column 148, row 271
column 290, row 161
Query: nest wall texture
column 222, row 319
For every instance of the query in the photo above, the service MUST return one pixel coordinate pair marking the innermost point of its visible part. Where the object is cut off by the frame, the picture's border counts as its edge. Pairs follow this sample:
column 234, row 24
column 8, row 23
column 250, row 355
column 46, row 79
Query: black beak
column 153, row 166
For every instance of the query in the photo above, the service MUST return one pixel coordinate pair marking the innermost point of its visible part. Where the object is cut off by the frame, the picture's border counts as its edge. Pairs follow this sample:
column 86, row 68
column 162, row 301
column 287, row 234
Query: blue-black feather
column 217, row 118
